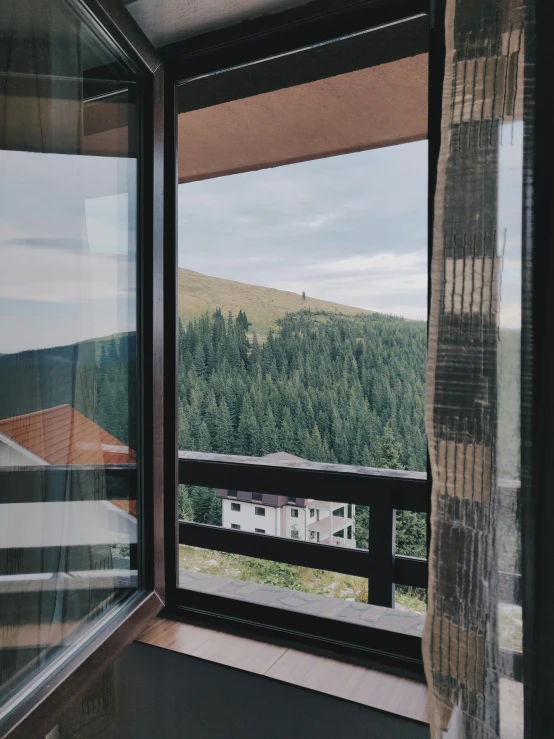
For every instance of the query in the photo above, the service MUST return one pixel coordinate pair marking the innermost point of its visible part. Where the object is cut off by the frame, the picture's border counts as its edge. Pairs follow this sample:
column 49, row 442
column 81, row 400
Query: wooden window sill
column 368, row 687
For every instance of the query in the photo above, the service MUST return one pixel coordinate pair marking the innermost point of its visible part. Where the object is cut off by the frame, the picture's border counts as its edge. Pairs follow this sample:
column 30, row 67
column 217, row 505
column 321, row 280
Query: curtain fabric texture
column 472, row 691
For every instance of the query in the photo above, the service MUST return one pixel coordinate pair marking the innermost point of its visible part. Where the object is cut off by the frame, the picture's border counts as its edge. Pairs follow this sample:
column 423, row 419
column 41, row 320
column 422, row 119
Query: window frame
column 233, row 48
column 44, row 699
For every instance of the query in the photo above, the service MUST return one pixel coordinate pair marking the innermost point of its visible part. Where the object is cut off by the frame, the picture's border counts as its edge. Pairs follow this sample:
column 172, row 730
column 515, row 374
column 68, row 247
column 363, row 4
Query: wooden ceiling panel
column 369, row 108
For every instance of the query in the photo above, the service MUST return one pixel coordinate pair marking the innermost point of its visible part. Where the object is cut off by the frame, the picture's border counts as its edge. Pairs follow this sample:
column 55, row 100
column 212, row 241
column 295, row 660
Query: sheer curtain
column 472, row 636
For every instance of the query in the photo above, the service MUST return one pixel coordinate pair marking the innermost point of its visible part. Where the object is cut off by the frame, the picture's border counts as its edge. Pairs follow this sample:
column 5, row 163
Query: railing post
column 382, row 531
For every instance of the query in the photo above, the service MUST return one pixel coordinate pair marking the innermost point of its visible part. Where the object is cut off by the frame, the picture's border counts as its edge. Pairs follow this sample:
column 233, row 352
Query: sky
column 351, row 229
column 67, row 249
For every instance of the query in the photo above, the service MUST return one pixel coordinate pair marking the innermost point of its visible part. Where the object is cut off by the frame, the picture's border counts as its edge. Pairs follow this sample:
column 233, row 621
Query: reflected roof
column 61, row 435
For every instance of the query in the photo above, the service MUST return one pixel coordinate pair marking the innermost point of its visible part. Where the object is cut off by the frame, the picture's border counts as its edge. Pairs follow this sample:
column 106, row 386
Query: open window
column 302, row 300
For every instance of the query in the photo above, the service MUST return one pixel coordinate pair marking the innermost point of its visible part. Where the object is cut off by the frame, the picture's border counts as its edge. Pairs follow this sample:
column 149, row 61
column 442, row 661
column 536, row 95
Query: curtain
column 473, row 628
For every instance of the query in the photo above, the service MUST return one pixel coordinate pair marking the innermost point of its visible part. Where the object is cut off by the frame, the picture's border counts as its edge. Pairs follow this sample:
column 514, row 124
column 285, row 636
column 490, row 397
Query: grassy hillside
column 199, row 293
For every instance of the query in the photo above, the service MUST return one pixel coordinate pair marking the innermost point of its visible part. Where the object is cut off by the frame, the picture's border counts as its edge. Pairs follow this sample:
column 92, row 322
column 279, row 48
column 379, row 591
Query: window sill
column 374, row 689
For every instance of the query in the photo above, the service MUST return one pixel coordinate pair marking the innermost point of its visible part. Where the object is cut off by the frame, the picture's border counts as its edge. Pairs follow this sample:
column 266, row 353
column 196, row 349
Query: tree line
column 323, row 386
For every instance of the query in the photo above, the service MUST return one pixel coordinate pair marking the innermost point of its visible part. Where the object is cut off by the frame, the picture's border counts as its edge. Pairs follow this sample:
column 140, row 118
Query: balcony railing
column 384, row 491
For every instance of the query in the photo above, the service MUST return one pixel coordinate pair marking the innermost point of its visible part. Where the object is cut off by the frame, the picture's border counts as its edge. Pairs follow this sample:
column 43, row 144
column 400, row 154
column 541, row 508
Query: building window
column 312, row 512
column 349, row 532
column 260, row 531
column 235, row 506
column 259, row 511
column 340, row 534
column 339, row 512
column 235, row 526
column 257, row 497
column 317, row 535
column 292, row 500
column 231, row 493
column 294, row 513
column 349, row 513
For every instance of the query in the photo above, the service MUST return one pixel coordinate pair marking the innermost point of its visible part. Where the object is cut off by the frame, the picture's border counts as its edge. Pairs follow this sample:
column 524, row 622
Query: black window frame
column 259, row 511
column 235, row 527
column 294, row 513
column 235, row 507
column 259, row 531
column 234, row 48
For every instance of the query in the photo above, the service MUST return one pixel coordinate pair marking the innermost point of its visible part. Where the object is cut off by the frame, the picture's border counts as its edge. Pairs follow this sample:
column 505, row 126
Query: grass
column 305, row 579
column 199, row 293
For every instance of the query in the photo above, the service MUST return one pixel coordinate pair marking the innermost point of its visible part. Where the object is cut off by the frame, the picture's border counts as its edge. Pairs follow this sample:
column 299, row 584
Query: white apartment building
column 307, row 519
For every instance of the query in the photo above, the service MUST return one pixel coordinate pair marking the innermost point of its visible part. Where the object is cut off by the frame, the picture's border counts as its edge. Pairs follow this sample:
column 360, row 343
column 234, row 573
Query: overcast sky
column 67, row 249
column 351, row 229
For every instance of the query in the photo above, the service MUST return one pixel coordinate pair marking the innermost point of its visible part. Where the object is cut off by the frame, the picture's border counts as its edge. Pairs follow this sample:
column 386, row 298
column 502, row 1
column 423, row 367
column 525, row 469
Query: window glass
column 68, row 414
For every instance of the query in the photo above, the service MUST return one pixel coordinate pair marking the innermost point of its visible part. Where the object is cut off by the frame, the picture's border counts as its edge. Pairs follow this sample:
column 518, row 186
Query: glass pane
column 68, row 420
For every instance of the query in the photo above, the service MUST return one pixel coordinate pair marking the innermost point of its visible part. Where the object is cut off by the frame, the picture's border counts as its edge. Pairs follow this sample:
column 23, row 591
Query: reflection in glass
column 68, row 436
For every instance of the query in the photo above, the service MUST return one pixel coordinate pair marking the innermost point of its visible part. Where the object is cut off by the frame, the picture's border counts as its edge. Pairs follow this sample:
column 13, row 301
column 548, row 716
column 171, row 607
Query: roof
column 284, row 457
column 62, row 435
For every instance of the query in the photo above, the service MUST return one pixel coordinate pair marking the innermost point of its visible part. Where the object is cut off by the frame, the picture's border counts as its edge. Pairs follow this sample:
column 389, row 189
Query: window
column 301, row 353
column 259, row 531
column 259, row 511
column 69, row 402
column 232, row 493
column 235, row 526
column 235, row 506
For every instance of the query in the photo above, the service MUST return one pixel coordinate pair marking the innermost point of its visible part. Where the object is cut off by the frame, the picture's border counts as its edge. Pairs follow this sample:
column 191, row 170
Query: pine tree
column 186, row 509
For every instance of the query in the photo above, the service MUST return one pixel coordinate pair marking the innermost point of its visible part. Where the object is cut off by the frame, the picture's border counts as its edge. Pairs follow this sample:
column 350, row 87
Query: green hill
column 199, row 293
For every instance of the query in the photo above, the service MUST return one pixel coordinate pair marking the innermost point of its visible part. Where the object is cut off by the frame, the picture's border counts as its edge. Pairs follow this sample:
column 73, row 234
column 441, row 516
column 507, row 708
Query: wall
column 247, row 518
column 166, row 695
column 12, row 457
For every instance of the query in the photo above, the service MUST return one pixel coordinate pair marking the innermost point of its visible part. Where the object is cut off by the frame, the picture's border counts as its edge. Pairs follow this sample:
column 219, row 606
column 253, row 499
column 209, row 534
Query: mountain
column 199, row 293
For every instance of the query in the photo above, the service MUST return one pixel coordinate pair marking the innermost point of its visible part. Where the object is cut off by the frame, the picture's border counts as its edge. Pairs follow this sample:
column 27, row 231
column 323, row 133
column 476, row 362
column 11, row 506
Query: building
column 307, row 519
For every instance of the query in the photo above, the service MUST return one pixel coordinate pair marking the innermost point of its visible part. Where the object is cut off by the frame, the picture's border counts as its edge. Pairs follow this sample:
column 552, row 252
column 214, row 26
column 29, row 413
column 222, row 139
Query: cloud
column 383, row 262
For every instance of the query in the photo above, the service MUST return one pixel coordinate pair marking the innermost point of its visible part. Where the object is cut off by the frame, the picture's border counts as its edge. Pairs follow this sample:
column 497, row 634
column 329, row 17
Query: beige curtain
column 473, row 628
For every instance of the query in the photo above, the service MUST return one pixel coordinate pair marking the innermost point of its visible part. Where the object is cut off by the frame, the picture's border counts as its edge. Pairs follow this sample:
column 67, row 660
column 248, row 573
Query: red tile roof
column 62, row 435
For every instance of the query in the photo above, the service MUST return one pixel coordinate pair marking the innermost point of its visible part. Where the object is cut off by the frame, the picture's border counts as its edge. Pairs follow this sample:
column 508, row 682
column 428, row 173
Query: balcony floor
column 325, row 606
